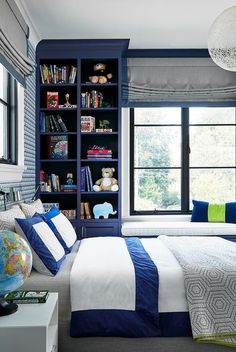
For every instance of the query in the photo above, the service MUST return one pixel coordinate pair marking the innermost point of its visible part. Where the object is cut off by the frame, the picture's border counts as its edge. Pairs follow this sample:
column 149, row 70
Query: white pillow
column 61, row 227
column 48, row 253
column 30, row 209
column 7, row 218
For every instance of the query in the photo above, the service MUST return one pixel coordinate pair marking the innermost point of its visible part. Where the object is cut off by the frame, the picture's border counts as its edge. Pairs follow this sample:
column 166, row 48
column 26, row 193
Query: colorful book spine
column 82, row 179
column 97, row 151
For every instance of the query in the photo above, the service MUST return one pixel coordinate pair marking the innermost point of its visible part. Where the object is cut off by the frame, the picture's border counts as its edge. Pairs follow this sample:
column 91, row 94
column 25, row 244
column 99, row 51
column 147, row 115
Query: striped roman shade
column 176, row 79
column 14, row 33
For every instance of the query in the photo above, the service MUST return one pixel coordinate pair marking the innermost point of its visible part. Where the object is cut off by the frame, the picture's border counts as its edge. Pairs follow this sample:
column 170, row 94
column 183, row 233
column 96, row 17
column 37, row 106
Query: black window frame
column 11, row 103
column 185, row 153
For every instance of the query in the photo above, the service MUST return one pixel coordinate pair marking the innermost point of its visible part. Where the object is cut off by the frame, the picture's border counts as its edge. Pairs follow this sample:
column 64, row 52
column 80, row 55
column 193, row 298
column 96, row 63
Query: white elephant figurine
column 104, row 210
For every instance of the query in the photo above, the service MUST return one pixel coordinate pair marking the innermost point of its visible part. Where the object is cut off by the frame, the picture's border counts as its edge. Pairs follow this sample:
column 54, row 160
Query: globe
column 15, row 266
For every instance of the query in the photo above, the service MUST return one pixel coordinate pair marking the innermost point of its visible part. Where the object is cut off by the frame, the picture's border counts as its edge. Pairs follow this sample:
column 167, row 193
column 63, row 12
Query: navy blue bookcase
column 83, row 54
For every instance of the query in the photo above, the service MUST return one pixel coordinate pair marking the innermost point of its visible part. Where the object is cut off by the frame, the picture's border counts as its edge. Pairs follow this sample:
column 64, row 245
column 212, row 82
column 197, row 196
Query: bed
column 167, row 304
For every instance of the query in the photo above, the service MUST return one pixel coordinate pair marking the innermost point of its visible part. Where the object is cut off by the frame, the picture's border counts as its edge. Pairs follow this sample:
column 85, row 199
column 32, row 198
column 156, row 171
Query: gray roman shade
column 13, row 41
column 153, row 80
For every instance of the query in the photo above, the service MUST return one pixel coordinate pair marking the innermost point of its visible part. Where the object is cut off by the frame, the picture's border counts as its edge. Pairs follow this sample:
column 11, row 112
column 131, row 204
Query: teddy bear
column 107, row 182
column 100, row 75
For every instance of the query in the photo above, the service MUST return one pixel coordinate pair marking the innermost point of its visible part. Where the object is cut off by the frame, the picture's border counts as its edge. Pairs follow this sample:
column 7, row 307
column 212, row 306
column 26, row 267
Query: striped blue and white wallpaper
column 27, row 185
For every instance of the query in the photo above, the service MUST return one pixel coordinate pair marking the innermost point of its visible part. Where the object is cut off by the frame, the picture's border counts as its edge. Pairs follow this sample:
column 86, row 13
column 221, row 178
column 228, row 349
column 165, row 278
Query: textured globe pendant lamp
column 222, row 40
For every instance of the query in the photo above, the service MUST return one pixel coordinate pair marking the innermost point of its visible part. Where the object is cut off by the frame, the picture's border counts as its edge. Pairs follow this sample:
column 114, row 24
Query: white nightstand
column 34, row 327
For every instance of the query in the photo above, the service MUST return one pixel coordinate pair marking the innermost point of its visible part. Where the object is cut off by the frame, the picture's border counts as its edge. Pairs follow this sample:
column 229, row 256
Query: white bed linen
column 99, row 268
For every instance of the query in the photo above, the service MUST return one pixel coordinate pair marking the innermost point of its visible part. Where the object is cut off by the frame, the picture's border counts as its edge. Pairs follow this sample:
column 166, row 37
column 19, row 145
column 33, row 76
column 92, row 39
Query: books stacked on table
column 27, row 296
column 98, row 153
column 86, row 182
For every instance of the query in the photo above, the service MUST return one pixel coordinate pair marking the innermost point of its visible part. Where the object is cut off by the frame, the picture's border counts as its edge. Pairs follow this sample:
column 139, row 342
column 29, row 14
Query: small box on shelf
column 87, row 124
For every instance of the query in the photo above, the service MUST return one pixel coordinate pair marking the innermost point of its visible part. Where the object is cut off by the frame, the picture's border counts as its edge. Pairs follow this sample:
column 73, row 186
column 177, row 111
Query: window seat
column 178, row 228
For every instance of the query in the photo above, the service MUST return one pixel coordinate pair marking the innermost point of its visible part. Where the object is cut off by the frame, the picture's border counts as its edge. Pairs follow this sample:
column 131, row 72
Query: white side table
column 34, row 327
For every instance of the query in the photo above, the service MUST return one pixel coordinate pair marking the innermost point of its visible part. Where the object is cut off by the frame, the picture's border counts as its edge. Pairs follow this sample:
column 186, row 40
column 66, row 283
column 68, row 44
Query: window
column 179, row 154
column 8, row 113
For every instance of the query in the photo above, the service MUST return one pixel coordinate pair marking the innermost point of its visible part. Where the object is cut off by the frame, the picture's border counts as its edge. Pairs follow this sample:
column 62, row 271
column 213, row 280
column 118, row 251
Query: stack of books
column 86, row 182
column 85, row 212
column 98, row 153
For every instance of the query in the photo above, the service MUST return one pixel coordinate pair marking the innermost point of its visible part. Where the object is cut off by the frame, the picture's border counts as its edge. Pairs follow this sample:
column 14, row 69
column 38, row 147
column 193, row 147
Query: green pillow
column 213, row 212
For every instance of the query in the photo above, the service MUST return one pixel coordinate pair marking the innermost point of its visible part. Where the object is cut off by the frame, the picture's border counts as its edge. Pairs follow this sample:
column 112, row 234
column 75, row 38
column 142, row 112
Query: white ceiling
column 150, row 24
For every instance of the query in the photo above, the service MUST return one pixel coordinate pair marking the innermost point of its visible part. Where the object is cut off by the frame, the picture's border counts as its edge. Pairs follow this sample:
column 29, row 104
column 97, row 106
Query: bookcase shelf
column 58, row 133
column 98, row 85
column 58, row 85
column 57, row 160
column 58, row 109
column 97, row 133
column 99, row 160
column 57, row 58
column 100, row 193
column 99, row 109
column 58, row 193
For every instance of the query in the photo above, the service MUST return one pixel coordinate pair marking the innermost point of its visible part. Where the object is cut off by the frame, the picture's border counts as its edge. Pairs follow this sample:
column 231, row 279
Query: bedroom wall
column 27, row 185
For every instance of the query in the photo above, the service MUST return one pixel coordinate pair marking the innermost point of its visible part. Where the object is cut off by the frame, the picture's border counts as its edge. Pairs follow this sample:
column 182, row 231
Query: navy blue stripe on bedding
column 175, row 324
column 125, row 323
column 142, row 322
column 146, row 278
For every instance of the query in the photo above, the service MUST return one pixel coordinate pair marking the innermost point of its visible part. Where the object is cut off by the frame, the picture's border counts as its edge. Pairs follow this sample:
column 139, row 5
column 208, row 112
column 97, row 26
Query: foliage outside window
column 179, row 154
column 8, row 113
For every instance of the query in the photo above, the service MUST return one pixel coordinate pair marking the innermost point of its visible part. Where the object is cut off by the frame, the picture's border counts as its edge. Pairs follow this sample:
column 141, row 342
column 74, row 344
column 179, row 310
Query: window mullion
column 185, row 150
column 132, row 160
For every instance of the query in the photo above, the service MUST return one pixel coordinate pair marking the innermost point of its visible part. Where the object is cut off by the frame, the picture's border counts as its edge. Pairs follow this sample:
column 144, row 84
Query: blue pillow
column 61, row 227
column 48, row 253
column 212, row 212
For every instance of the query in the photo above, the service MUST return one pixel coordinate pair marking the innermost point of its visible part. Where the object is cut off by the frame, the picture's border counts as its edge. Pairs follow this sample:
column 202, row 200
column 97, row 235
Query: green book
column 27, row 296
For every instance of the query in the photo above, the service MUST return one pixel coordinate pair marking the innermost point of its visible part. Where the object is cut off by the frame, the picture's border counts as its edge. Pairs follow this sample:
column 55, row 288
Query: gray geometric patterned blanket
column 209, row 267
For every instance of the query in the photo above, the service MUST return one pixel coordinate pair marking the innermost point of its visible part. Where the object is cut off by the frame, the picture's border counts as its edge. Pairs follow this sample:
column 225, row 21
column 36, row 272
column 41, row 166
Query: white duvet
column 99, row 268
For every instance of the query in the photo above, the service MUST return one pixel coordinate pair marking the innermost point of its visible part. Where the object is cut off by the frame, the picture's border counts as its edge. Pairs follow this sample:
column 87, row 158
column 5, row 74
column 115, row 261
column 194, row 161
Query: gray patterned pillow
column 7, row 218
column 29, row 209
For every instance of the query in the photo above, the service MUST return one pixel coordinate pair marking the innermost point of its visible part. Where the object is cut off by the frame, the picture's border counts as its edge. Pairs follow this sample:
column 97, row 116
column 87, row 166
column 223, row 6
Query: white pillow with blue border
column 61, row 227
column 48, row 253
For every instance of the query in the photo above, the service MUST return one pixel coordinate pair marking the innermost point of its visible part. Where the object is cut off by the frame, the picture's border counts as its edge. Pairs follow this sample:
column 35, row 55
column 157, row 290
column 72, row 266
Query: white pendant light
column 222, row 40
